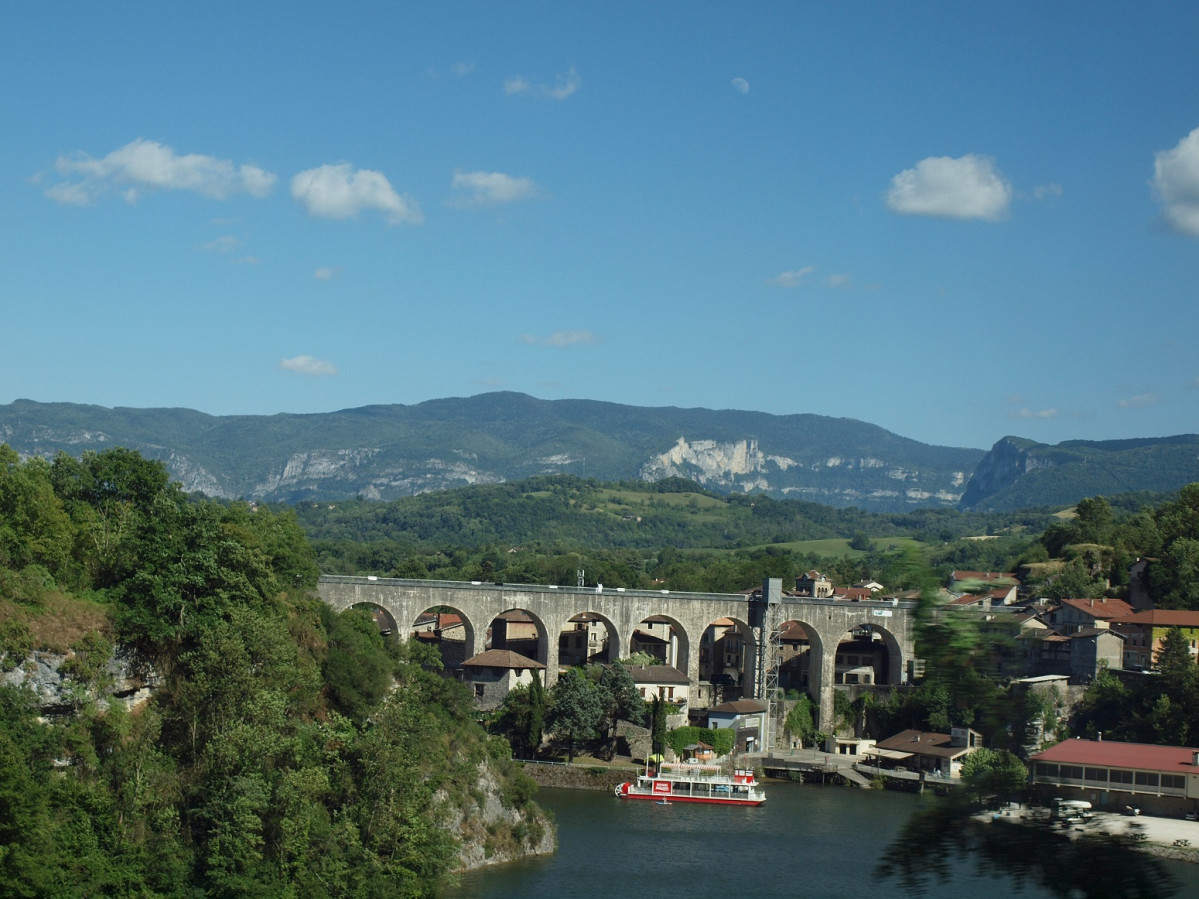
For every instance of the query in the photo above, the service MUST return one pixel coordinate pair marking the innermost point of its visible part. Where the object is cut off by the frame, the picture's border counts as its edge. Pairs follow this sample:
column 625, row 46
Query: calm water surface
column 806, row 840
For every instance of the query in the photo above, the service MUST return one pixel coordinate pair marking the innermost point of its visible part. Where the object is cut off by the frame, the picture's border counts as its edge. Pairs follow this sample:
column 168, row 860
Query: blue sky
column 956, row 221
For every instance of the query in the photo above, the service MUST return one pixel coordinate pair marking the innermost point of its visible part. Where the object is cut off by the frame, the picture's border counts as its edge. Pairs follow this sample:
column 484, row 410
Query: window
column 1146, row 779
column 1173, row 782
column 1120, row 777
column 1071, row 772
column 1097, row 774
column 478, row 690
column 1044, row 769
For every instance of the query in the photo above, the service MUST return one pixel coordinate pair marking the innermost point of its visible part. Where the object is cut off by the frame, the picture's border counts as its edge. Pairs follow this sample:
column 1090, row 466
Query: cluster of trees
column 581, row 708
column 286, row 750
column 1098, row 546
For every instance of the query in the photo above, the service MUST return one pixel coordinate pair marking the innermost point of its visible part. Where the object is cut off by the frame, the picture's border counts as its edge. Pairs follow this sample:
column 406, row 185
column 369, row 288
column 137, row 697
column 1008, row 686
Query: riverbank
column 578, row 775
column 1172, row 838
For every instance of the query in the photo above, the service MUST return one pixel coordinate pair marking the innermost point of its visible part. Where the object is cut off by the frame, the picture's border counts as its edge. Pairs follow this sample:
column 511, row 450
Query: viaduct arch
column 826, row 621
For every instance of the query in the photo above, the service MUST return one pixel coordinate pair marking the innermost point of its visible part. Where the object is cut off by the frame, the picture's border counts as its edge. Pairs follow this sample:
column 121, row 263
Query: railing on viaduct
column 826, row 621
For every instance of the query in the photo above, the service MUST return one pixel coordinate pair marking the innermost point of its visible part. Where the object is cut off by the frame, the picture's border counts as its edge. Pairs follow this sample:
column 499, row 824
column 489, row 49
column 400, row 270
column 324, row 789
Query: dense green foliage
column 672, row 533
column 1099, row 545
column 287, row 750
column 721, row 739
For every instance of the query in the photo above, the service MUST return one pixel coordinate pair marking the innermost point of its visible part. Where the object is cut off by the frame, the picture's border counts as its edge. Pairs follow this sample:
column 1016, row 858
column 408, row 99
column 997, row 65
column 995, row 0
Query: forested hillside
column 672, row 533
column 285, row 750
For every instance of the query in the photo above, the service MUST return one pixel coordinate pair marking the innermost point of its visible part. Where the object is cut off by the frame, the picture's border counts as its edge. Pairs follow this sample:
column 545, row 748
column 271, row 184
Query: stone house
column 493, row 674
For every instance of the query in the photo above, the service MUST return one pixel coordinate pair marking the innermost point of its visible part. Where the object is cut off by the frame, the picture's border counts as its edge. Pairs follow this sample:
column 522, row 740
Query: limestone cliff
column 491, row 831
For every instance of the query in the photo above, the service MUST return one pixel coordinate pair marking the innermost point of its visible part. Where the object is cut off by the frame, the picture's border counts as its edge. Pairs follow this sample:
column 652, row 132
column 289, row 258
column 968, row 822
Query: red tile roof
column 502, row 658
column 1100, row 608
column 1111, row 754
column 1163, row 618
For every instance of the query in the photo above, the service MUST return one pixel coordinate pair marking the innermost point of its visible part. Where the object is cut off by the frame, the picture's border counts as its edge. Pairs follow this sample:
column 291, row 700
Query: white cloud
column 1140, row 401
column 1037, row 413
column 462, row 68
column 563, row 86
column 740, row 85
column 1042, row 191
column 517, row 84
column 308, row 365
column 146, row 165
column 325, row 273
column 340, row 192
column 837, row 281
column 222, row 244
column 560, row 338
column 490, row 188
column 1176, row 184
column 968, row 187
column 792, row 278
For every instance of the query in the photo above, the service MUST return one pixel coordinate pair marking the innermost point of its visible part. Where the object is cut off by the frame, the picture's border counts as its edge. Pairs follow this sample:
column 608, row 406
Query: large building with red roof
column 1162, row 780
column 1145, row 631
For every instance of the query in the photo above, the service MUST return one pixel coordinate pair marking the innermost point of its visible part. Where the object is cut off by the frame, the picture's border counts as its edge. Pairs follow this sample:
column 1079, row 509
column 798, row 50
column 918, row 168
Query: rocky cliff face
column 491, row 833
column 56, row 694
column 1008, row 461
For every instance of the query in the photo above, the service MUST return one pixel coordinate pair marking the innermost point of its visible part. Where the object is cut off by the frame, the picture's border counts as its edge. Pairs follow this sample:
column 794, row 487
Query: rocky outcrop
column 492, row 831
column 47, row 676
column 1007, row 462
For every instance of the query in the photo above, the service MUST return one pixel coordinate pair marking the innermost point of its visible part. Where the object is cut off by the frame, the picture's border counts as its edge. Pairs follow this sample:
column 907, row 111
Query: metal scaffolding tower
column 766, row 611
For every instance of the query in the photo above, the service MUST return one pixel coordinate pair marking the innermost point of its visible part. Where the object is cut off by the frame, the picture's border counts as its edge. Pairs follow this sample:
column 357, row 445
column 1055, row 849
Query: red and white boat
column 694, row 783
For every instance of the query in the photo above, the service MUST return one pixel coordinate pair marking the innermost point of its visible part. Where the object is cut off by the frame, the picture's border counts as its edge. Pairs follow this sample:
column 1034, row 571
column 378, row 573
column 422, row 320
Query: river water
column 806, row 840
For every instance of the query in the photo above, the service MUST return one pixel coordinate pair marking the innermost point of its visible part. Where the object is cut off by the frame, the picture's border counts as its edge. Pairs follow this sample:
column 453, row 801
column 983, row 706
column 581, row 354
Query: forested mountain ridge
column 1020, row 473
column 384, row 452
column 389, row 451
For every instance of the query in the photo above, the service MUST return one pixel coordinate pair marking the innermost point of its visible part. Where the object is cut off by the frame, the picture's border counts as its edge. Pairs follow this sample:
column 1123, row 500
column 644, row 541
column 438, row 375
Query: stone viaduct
column 826, row 621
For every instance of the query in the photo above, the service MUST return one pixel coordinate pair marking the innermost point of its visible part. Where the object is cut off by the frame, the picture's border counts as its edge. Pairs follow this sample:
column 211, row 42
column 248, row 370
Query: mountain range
column 387, row 451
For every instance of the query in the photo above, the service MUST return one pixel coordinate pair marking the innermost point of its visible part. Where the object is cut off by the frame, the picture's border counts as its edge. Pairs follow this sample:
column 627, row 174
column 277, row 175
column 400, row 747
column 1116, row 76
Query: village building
column 655, row 636
column 667, row 683
column 794, row 656
column 814, row 584
column 493, row 674
column 1145, row 632
column 1078, row 655
column 938, row 755
column 747, row 717
column 1161, row 780
column 583, row 642
column 447, row 632
column 1075, row 614
column 515, row 630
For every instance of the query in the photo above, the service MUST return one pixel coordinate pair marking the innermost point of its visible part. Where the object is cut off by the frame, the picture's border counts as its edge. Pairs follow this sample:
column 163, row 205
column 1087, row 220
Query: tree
column 522, row 718
column 989, row 772
column 800, row 723
column 357, row 666
column 622, row 699
column 657, row 727
column 575, row 710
